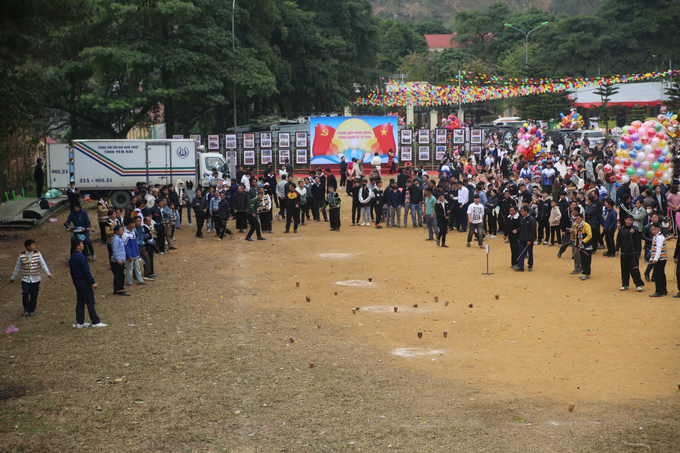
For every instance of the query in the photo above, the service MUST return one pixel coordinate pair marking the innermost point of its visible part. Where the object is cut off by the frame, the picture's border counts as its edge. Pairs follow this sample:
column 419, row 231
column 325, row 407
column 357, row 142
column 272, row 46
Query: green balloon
column 650, row 174
column 655, row 165
column 630, row 171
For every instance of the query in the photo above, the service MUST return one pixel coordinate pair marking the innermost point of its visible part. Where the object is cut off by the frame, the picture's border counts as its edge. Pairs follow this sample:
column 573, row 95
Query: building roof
column 441, row 41
column 630, row 94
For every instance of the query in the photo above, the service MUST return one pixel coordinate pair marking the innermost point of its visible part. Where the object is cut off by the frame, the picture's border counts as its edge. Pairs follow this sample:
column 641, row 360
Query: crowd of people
column 566, row 198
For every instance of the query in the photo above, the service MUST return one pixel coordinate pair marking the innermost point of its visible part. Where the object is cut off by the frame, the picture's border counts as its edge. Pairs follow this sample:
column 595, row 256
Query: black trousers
column 491, row 222
column 242, row 220
column 322, row 208
column 218, row 224
column 294, row 217
column 629, row 268
column 102, row 231
column 514, row 250
column 200, row 221
column 314, row 206
column 543, row 230
column 254, row 227
column 39, row 187
column 378, row 208
column 334, row 214
column 609, row 239
column 555, row 234
column 150, row 251
column 443, row 229
column 85, row 297
column 223, row 228
column 356, row 213
column 265, row 220
column 660, row 277
column 282, row 206
column 586, row 261
column 160, row 238
column 118, row 277
column 343, row 179
column 29, row 295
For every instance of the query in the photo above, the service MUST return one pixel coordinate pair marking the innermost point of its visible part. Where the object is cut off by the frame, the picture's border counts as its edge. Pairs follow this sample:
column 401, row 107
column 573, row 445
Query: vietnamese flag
column 384, row 136
column 323, row 141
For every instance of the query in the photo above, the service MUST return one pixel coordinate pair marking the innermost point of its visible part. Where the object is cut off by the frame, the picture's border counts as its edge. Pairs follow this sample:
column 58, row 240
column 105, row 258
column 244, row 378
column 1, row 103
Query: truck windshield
column 216, row 163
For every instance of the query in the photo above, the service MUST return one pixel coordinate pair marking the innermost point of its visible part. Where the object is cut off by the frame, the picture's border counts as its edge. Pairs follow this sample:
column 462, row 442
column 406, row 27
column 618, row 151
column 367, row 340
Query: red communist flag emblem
column 384, row 136
column 323, row 141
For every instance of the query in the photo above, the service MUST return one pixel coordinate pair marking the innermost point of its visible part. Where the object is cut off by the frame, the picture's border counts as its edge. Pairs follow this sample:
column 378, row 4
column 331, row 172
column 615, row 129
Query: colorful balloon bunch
column 451, row 123
column 670, row 122
column 572, row 121
column 401, row 119
column 529, row 142
column 643, row 156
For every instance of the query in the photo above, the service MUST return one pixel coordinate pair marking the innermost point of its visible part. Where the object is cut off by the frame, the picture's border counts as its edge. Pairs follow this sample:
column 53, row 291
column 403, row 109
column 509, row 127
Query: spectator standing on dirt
column 84, row 284
column 29, row 263
column 118, row 262
column 39, row 177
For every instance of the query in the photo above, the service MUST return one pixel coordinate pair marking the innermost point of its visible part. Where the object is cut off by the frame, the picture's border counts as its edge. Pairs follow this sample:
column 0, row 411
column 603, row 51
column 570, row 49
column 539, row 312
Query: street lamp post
column 526, row 40
column 233, row 51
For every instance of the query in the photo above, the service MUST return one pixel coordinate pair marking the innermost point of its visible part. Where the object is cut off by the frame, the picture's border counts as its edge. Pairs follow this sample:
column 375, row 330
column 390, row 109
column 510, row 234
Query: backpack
column 43, row 203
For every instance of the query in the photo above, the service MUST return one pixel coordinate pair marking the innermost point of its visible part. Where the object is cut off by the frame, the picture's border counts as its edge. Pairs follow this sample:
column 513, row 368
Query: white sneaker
column 639, row 288
column 190, row 224
column 82, row 326
column 99, row 324
column 545, row 242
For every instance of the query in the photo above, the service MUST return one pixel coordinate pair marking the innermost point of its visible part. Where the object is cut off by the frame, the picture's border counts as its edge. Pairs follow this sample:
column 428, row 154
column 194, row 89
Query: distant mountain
column 444, row 10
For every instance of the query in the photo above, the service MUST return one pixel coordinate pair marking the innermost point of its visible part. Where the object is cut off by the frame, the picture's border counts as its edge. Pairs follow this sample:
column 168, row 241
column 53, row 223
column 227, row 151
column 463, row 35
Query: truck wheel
column 120, row 199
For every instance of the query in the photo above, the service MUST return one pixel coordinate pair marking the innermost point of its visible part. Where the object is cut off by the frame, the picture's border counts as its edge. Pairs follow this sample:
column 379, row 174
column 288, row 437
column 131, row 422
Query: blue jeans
column 463, row 216
column 525, row 250
column 611, row 190
column 416, row 208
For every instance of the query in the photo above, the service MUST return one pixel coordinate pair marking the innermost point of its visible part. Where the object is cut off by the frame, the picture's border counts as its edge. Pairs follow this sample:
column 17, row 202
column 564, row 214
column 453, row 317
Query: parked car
column 594, row 137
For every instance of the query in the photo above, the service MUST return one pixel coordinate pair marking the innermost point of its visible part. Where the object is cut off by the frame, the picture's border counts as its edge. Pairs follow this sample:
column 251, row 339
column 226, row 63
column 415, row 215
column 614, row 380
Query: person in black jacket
column 505, row 204
column 628, row 243
column 343, row 172
column 379, row 197
column 331, row 181
column 511, row 233
column 527, row 236
column 38, row 177
column 319, row 200
column 240, row 202
column 441, row 212
column 200, row 209
column 544, row 207
column 223, row 214
column 356, row 205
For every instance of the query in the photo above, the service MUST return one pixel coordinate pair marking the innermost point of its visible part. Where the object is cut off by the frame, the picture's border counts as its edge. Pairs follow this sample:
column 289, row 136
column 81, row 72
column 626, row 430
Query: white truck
column 116, row 166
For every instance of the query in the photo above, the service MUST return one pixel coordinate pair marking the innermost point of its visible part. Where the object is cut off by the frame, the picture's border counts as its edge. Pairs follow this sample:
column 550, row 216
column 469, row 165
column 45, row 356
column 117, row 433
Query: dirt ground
column 207, row 363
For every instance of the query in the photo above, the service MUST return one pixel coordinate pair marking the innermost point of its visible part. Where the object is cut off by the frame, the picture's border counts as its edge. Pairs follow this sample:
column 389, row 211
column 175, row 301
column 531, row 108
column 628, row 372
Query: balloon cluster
column 572, row 121
column 451, row 123
column 529, row 142
column 643, row 156
column 670, row 122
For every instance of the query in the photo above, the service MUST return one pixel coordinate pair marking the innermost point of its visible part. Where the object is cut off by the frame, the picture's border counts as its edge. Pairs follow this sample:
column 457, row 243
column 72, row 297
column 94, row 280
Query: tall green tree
column 606, row 91
column 478, row 28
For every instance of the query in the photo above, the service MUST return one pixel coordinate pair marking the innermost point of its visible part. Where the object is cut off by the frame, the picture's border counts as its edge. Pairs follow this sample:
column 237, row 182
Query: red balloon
column 643, row 181
column 626, row 162
column 618, row 177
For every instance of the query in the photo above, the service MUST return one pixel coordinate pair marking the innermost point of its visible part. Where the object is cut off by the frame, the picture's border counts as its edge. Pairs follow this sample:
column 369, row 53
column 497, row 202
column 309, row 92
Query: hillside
column 445, row 10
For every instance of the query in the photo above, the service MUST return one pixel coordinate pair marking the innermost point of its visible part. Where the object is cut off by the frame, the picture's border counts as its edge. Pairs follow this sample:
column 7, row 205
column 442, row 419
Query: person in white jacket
column 365, row 197
column 376, row 162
